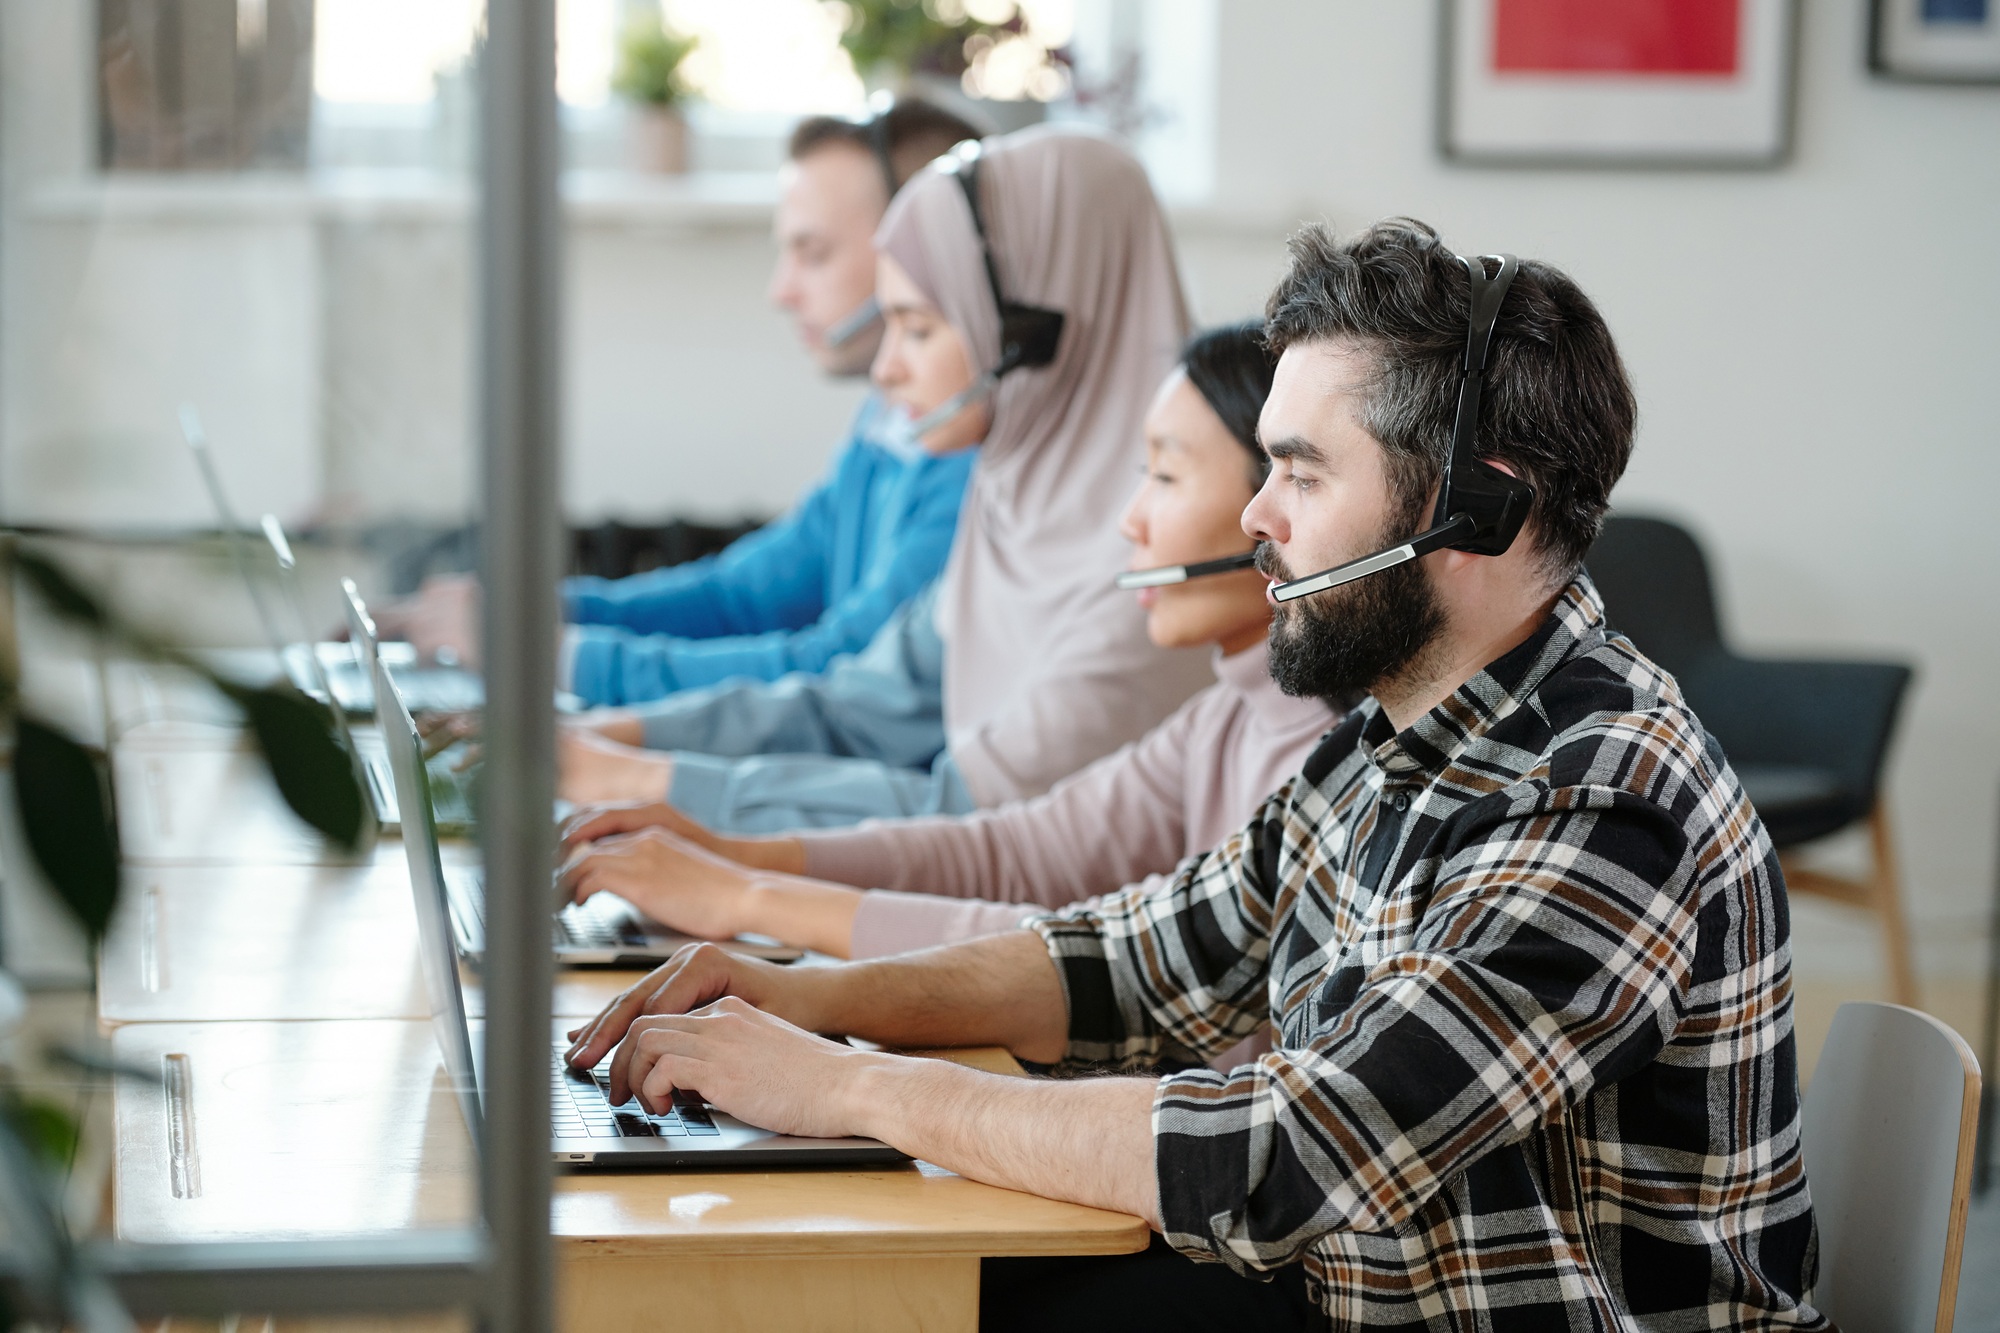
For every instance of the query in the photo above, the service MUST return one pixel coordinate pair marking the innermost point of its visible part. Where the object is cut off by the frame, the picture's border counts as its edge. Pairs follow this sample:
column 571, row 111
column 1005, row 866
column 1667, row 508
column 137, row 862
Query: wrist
column 751, row 911
column 816, row 1002
column 870, row 1096
column 783, row 856
column 887, row 1094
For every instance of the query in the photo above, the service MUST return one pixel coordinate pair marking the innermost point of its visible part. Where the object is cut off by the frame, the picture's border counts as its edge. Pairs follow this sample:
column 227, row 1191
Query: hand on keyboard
column 682, row 886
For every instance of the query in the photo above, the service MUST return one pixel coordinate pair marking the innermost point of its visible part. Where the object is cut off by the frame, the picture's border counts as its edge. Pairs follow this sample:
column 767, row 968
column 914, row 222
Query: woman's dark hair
column 1231, row 366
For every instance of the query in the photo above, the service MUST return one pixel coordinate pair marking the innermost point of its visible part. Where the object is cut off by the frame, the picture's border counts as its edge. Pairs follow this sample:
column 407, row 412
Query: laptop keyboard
column 587, row 929
column 583, row 1109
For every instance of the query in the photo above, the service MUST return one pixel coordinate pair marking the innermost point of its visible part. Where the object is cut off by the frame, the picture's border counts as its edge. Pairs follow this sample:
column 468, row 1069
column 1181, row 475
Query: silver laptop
column 602, row 931
column 451, row 790
column 587, row 1129
column 323, row 670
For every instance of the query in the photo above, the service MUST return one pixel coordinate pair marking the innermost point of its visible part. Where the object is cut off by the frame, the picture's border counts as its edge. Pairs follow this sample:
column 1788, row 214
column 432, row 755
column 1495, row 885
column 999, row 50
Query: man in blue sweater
column 820, row 581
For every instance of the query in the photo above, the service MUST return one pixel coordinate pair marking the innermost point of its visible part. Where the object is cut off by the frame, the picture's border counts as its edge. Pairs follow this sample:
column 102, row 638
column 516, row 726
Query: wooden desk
column 197, row 794
column 328, row 1129
column 278, row 990
column 233, row 942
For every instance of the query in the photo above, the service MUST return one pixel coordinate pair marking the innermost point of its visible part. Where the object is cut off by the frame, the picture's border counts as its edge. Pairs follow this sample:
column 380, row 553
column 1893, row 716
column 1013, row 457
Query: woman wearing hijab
column 1042, row 666
column 1133, row 815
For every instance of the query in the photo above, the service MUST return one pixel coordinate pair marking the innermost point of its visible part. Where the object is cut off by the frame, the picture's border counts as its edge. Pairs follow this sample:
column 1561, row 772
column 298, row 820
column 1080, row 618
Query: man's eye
column 1164, row 478
column 1301, row 483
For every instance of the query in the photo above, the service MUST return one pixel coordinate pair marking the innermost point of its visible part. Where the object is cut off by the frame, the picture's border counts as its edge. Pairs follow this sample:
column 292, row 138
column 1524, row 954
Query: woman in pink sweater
column 891, row 885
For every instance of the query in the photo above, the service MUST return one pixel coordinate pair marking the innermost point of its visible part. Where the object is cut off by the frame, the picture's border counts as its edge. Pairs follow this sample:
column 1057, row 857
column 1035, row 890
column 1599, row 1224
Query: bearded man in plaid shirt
column 1521, row 936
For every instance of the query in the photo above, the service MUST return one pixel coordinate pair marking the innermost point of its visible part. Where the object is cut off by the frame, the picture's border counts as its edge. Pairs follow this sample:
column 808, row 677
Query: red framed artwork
column 1617, row 82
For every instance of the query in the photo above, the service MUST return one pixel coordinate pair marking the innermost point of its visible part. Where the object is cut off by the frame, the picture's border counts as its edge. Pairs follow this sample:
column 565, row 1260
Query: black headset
column 1029, row 334
column 1479, row 508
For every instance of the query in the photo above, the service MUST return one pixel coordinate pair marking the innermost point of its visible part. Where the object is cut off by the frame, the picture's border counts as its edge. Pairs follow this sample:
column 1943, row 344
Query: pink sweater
column 1133, row 815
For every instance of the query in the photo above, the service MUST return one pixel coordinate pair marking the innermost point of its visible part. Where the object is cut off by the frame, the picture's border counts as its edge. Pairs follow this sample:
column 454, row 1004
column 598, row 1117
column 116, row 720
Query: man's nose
column 1262, row 520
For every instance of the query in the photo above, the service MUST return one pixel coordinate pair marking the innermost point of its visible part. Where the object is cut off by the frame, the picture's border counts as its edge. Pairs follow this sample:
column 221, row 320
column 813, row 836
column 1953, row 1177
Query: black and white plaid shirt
column 1528, row 961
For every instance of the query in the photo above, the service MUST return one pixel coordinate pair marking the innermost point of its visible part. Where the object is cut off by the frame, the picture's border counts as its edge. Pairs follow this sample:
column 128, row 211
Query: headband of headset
column 1028, row 333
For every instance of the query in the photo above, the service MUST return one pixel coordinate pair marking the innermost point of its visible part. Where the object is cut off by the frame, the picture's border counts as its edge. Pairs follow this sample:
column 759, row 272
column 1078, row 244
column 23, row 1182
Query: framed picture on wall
column 1936, row 41
column 1623, row 83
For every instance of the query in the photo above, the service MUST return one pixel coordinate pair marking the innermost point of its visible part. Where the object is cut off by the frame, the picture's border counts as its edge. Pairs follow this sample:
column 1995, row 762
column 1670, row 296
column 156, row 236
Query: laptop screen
column 420, row 848
column 360, row 629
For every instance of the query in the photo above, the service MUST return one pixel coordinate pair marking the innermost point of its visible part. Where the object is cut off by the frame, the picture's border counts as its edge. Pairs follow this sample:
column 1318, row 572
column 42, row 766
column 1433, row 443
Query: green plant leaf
column 45, row 1127
column 64, row 594
column 64, row 800
column 314, row 774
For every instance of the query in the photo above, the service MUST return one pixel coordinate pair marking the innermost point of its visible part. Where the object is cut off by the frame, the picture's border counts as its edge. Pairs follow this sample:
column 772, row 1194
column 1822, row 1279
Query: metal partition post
column 520, row 247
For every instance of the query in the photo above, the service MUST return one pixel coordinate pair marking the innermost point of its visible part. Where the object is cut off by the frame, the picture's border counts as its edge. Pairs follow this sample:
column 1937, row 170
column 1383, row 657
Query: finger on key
column 651, row 1041
column 607, row 1027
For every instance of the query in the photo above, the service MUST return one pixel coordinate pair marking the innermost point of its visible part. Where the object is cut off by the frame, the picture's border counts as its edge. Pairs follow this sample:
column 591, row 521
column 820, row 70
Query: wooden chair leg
column 1881, row 893
column 1886, row 888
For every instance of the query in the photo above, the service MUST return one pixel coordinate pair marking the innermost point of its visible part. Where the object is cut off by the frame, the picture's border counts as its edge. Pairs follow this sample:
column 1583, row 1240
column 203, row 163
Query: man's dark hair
column 1231, row 367
column 1557, row 406
column 913, row 131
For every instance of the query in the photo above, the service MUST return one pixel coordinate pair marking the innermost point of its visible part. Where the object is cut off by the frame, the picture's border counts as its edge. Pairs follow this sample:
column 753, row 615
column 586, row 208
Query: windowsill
column 722, row 200
column 705, row 200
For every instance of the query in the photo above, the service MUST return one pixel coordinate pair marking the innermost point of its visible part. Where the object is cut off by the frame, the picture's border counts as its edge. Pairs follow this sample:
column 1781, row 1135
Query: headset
column 875, row 125
column 1029, row 334
column 1479, row 508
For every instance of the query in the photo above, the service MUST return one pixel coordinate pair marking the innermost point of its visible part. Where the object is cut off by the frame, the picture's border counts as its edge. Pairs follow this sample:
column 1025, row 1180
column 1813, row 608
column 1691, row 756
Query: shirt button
column 1401, row 801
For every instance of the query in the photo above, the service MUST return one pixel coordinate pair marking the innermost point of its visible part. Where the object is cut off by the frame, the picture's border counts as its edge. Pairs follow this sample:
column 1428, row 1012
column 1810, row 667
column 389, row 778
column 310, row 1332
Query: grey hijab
column 1047, row 666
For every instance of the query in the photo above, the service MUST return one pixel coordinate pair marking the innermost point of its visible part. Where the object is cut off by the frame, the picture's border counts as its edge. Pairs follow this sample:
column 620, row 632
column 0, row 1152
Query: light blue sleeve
column 775, row 793
column 618, row 666
column 883, row 704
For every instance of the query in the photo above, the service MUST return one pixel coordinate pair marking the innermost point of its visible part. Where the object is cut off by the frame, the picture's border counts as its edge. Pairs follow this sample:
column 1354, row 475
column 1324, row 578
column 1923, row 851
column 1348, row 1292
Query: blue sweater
column 790, row 597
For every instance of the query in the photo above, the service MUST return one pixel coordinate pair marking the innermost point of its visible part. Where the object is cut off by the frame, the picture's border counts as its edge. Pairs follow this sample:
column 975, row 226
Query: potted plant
column 649, row 76
column 986, row 56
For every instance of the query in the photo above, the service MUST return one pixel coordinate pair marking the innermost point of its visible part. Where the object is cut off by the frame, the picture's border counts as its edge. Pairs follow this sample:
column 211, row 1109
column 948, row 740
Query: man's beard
column 1341, row 644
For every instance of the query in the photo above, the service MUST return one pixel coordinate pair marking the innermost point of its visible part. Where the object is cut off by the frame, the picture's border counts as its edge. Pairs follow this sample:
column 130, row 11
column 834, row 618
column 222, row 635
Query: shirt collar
column 1424, row 749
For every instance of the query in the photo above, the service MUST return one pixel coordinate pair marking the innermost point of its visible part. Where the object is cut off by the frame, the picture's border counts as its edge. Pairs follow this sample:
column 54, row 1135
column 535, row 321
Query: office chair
column 1807, row 738
column 1887, row 1136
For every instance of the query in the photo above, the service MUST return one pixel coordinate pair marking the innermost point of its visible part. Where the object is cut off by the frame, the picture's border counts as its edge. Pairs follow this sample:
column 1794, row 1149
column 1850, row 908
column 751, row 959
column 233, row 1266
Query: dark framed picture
column 1935, row 41
column 1617, row 83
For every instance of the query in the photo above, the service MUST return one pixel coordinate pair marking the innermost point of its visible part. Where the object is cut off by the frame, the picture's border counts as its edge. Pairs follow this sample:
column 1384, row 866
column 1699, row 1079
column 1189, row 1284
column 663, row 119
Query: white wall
column 1814, row 349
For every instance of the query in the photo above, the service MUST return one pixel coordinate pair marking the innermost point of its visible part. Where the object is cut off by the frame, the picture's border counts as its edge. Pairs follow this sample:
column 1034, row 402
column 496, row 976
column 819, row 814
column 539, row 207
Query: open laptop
column 587, row 1129
column 323, row 670
column 603, row 931
column 452, row 808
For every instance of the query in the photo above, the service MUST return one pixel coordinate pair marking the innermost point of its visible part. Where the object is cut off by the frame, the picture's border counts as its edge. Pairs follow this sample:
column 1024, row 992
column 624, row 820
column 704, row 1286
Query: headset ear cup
column 1496, row 503
column 1029, row 335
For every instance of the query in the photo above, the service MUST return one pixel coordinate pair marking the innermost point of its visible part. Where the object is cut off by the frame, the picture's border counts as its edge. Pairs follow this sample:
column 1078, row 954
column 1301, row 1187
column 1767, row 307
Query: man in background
column 820, row 581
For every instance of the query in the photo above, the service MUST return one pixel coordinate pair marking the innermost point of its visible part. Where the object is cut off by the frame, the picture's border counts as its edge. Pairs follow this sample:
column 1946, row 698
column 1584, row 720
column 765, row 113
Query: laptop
column 588, row 1131
column 452, row 799
column 602, row 931
column 324, row 670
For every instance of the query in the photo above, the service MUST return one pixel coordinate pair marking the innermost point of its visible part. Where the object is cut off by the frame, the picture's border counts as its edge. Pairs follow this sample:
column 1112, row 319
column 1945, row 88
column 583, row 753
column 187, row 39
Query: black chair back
column 1656, row 589
column 1807, row 738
